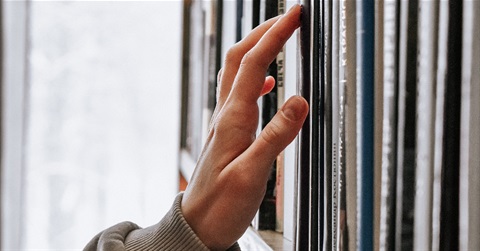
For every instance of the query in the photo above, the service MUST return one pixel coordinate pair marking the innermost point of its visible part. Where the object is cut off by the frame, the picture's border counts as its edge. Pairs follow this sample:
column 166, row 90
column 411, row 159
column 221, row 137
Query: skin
column 230, row 179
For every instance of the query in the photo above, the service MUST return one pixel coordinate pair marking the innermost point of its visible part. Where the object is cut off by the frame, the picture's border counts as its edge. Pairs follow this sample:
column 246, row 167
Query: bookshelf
column 388, row 157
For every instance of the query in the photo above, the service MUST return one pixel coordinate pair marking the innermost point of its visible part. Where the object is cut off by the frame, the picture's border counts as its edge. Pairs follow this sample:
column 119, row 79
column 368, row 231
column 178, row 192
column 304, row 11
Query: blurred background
column 91, row 103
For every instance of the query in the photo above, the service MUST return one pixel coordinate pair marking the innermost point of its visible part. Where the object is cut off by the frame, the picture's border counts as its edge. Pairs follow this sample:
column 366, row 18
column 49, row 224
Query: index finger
column 251, row 75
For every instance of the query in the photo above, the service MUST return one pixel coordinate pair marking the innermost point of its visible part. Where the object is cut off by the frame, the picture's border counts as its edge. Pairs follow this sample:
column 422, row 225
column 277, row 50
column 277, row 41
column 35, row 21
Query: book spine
column 470, row 141
column 256, row 19
column 316, row 132
column 246, row 17
column 279, row 194
column 389, row 139
column 316, row 115
column 290, row 153
column 302, row 239
column 439, row 122
column 327, row 31
column 449, row 208
column 335, row 121
column 378, row 117
column 342, row 83
column 239, row 20
column 365, row 125
column 321, row 120
column 427, row 49
column 406, row 126
column 349, row 236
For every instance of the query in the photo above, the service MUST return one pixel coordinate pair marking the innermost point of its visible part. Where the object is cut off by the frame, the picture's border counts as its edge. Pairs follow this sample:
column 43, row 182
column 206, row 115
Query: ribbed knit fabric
column 171, row 233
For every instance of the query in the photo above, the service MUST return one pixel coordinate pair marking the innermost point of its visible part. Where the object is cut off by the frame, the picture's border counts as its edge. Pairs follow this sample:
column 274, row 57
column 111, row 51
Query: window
column 100, row 119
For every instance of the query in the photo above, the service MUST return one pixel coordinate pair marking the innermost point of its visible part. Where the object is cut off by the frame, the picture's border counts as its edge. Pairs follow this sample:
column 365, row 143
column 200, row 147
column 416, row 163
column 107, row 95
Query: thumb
column 279, row 132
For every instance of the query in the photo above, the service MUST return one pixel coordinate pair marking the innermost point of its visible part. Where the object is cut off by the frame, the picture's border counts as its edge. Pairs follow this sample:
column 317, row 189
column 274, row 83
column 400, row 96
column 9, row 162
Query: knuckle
column 248, row 59
column 253, row 60
column 233, row 55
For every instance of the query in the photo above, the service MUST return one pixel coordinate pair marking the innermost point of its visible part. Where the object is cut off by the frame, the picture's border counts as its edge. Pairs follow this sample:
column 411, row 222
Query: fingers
column 268, row 85
column 280, row 132
column 267, row 88
column 250, row 78
column 234, row 57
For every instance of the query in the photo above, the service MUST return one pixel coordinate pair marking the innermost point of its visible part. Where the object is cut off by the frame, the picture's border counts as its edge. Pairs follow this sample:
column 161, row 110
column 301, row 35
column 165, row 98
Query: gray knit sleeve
column 171, row 233
column 111, row 239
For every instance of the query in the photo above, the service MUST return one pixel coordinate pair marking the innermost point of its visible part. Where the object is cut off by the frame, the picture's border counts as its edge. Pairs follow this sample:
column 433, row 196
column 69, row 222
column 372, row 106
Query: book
column 378, row 117
column 327, row 73
column 365, row 123
column 245, row 7
column 256, row 20
column 239, row 20
column 389, row 125
column 469, row 196
column 316, row 132
column 279, row 188
column 335, row 121
column 441, row 72
column 449, row 207
column 343, row 84
column 469, row 172
column 406, row 126
column 302, row 240
column 290, row 152
column 350, row 233
column 427, row 65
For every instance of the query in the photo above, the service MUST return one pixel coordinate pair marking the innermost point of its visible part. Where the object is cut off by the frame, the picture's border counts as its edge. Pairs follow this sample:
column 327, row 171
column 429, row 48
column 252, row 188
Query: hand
column 230, row 179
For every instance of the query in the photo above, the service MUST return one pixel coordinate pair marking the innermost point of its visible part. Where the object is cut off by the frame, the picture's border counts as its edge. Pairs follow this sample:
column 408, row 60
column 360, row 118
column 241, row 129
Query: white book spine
column 439, row 122
column 469, row 218
column 389, row 120
column 427, row 49
column 335, row 119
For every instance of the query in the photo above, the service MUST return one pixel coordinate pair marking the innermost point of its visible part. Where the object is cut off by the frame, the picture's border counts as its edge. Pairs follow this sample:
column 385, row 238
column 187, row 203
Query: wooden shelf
column 265, row 240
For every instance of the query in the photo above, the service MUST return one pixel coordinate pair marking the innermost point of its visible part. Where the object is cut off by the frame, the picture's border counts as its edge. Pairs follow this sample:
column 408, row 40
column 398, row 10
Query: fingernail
column 294, row 109
column 294, row 7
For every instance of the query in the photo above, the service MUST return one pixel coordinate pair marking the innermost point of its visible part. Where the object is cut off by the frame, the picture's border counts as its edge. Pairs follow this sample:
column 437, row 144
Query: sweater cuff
column 171, row 233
